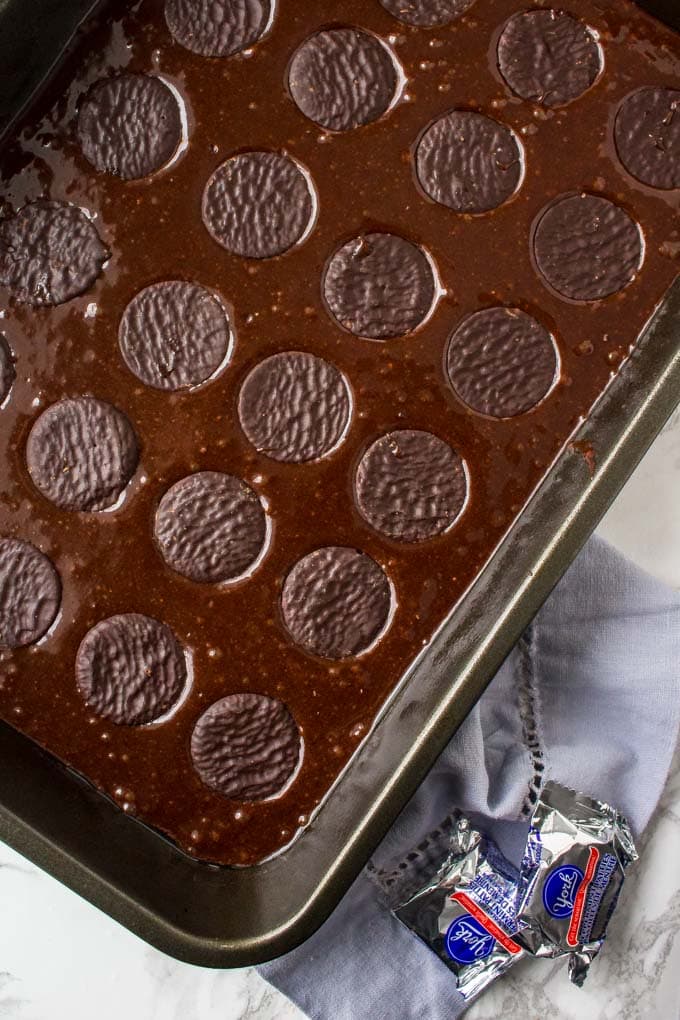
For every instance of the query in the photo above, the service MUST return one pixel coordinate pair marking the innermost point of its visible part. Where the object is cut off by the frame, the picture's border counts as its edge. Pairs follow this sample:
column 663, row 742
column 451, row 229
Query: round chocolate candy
column 7, row 370
column 647, row 136
column 50, row 252
column 246, row 747
column 130, row 669
column 81, row 453
column 210, row 527
column 174, row 335
column 30, row 593
column 129, row 125
column 586, row 247
column 469, row 162
column 548, row 56
column 427, row 13
column 258, row 205
column 379, row 286
column 501, row 362
column 410, row 485
column 217, row 28
column 336, row 602
column 342, row 78
column 295, row 407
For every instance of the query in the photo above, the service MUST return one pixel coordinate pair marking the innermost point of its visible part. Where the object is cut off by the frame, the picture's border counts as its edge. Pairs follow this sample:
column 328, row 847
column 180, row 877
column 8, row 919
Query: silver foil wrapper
column 577, row 852
column 466, row 912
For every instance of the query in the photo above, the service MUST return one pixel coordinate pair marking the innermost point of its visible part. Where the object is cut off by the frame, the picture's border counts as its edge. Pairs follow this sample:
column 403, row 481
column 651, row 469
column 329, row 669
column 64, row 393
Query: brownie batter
column 298, row 307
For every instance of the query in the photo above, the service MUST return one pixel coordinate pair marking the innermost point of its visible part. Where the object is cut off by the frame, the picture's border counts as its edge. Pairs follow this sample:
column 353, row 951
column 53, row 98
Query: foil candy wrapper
column 465, row 912
column 571, row 876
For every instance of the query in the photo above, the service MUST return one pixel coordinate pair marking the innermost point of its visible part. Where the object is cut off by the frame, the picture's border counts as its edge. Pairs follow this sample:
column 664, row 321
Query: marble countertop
column 61, row 959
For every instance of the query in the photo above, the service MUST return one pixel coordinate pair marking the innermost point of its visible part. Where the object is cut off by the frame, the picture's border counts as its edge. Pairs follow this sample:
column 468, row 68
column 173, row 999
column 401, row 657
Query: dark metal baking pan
column 219, row 916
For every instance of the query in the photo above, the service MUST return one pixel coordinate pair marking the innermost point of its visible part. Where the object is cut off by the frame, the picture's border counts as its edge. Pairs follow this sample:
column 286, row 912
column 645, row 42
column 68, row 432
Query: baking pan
column 217, row 916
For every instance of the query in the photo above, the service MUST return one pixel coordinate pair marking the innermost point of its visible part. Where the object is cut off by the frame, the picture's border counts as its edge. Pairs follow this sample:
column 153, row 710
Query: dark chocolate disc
column 427, row 13
column 49, row 253
column 210, row 527
column 130, row 669
column 174, row 335
column 129, row 125
column 548, row 56
column 246, row 746
column 258, row 204
column 7, row 370
column 294, row 407
column 410, row 485
column 81, row 454
column 379, row 286
column 586, row 247
column 501, row 361
column 342, row 78
column 336, row 602
column 469, row 162
column 30, row 593
column 217, row 28
column 647, row 136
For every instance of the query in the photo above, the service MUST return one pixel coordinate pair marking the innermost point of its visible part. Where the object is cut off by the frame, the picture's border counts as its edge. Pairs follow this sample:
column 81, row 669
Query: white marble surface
column 59, row 956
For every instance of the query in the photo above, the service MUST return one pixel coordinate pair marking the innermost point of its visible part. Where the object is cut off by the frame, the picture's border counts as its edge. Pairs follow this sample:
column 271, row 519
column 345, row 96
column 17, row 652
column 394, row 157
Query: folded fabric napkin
column 590, row 696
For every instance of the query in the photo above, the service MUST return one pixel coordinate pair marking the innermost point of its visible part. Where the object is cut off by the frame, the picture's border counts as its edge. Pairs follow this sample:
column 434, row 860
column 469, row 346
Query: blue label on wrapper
column 467, row 941
column 560, row 888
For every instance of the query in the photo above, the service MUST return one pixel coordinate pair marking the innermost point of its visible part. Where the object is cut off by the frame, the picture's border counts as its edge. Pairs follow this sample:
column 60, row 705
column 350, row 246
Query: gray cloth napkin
column 590, row 697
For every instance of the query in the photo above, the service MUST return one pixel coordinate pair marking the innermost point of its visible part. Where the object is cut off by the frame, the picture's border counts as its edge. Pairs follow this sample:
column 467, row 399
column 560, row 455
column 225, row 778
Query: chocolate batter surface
column 229, row 518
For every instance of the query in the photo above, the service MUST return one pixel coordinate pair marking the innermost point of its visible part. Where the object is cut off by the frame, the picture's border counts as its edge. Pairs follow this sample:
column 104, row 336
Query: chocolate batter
column 298, row 307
